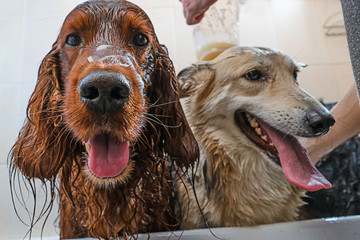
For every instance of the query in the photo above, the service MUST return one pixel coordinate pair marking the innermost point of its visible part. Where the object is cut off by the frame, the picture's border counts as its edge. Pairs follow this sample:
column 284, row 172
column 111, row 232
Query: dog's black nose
column 320, row 122
column 104, row 92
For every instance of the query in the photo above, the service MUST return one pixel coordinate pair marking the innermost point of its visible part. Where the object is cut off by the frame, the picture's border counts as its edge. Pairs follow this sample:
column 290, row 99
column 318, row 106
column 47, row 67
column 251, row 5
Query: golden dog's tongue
column 108, row 157
column 296, row 165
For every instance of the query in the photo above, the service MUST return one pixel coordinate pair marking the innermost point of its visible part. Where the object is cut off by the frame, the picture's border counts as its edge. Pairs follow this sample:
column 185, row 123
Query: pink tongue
column 107, row 157
column 296, row 165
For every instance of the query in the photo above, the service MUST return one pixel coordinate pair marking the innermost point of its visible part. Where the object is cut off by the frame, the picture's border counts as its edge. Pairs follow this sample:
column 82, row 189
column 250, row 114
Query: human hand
column 194, row 10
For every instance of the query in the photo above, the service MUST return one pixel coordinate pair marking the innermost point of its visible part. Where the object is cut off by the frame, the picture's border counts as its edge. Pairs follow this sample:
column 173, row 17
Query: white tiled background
column 29, row 27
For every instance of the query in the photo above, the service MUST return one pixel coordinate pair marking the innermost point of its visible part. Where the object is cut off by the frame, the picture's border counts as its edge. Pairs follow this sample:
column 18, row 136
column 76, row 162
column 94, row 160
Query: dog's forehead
column 253, row 57
column 96, row 15
column 270, row 58
column 239, row 60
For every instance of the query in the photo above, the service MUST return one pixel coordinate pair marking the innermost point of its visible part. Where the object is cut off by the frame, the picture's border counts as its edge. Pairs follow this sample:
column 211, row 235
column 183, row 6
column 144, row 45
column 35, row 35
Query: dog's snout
column 319, row 122
column 104, row 92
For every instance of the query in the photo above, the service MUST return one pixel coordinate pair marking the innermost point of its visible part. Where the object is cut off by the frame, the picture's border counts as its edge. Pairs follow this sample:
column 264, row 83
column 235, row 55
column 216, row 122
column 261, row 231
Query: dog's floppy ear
column 191, row 78
column 40, row 148
column 171, row 135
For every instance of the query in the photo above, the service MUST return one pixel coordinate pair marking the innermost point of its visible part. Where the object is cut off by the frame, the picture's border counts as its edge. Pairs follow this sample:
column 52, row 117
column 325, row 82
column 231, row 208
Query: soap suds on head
column 115, row 57
column 102, row 47
column 141, row 82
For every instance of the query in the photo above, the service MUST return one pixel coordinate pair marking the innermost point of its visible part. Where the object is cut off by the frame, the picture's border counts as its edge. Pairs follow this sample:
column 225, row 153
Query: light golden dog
column 245, row 108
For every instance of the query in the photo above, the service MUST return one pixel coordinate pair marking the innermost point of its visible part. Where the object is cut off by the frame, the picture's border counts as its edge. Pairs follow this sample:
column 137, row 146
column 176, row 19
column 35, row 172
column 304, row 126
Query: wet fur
column 49, row 146
column 236, row 184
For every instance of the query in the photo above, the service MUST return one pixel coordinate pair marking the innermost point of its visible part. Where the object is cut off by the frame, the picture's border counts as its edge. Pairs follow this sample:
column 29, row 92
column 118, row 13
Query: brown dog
column 245, row 108
column 103, row 123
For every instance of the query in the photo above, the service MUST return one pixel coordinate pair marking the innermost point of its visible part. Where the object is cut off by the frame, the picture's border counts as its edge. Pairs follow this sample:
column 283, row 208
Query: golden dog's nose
column 320, row 122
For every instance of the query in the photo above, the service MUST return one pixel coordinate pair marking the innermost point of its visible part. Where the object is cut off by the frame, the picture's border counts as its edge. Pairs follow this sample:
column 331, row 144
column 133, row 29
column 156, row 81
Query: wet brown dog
column 105, row 119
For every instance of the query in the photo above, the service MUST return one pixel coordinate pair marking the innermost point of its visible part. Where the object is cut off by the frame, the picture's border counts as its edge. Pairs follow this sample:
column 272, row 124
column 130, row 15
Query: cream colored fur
column 236, row 183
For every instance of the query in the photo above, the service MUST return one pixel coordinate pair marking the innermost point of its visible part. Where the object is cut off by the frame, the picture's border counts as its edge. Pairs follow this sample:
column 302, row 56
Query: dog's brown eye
column 253, row 75
column 295, row 74
column 141, row 40
column 73, row 40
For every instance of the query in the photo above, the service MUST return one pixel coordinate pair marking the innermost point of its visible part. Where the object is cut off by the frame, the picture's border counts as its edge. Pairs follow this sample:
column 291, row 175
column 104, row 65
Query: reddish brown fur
column 50, row 143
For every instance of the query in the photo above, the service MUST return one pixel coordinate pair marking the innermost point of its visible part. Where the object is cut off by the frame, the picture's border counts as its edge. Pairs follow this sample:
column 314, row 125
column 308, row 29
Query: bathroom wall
column 29, row 27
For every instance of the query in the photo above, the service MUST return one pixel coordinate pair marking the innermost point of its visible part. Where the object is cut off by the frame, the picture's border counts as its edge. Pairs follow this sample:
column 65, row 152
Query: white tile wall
column 315, row 78
column 183, row 36
column 12, row 30
column 299, row 30
column 164, row 22
column 257, row 25
column 29, row 27
column 344, row 76
column 13, row 8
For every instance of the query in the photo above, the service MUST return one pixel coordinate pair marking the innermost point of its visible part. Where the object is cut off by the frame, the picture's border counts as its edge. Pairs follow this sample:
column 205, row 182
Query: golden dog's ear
column 191, row 78
column 302, row 65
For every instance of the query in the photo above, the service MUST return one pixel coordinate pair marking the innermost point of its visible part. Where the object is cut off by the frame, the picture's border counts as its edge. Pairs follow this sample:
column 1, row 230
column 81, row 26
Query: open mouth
column 107, row 156
column 257, row 134
column 283, row 149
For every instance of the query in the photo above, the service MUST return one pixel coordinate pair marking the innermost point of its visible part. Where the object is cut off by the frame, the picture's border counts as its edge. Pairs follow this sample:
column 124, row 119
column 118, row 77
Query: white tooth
column 264, row 137
column 271, row 144
column 258, row 131
column 254, row 123
column 87, row 146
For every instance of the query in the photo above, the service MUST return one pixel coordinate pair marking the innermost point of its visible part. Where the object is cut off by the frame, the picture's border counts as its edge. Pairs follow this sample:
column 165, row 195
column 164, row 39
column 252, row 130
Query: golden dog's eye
column 253, row 75
column 73, row 40
column 295, row 74
column 140, row 40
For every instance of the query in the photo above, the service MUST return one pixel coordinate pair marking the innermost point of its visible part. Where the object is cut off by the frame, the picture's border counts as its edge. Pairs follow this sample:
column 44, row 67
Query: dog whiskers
column 162, row 104
column 158, row 121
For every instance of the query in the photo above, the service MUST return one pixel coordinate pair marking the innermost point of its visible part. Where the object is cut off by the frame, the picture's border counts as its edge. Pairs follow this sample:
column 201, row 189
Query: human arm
column 347, row 116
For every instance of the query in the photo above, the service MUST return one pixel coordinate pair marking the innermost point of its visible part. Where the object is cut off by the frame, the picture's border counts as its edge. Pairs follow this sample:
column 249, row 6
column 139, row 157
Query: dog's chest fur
column 235, row 185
